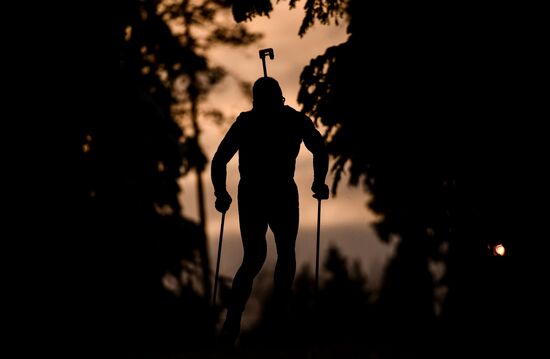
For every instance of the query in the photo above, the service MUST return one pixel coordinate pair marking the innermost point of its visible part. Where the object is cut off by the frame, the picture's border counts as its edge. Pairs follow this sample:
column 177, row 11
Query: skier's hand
column 320, row 190
column 223, row 201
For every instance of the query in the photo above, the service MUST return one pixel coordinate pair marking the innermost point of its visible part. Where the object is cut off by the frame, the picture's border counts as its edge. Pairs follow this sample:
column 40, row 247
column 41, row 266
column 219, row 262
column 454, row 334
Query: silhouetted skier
column 268, row 139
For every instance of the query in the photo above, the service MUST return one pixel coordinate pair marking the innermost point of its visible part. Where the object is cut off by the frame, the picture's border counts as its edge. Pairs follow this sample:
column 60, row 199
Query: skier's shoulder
column 287, row 110
column 243, row 118
column 299, row 118
column 244, row 115
column 291, row 112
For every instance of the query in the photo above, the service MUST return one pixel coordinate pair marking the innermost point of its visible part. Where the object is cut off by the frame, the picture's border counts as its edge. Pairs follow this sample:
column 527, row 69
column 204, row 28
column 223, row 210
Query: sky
column 346, row 220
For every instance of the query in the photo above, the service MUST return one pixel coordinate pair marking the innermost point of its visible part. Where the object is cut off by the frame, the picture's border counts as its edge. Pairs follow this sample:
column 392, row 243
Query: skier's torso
column 269, row 145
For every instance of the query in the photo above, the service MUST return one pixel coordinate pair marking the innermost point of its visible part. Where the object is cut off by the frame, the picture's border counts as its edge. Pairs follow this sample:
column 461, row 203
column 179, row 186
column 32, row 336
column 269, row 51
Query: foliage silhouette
column 423, row 147
column 143, row 274
column 128, row 205
column 324, row 11
column 164, row 45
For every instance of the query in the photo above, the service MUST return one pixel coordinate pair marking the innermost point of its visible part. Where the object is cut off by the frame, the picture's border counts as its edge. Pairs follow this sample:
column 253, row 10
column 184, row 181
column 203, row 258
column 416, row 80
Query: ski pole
column 218, row 261
column 318, row 244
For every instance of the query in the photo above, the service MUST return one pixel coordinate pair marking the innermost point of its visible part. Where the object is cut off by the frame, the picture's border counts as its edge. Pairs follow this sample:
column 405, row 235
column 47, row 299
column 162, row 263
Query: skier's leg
column 253, row 225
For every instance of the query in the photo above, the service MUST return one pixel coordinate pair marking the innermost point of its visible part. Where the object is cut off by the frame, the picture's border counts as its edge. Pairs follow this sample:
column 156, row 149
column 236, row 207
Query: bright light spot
column 145, row 70
column 171, row 283
column 164, row 210
column 143, row 50
column 144, row 14
column 88, row 137
column 85, row 148
column 163, row 75
column 128, row 33
column 160, row 166
column 499, row 250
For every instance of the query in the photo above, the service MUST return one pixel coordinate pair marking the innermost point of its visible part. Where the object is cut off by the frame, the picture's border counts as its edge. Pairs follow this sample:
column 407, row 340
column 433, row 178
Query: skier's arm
column 315, row 144
column 226, row 150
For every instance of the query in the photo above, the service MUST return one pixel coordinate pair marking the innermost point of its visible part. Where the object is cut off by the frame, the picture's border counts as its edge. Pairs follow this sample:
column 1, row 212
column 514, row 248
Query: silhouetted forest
column 430, row 134
column 428, row 107
column 131, row 85
column 422, row 136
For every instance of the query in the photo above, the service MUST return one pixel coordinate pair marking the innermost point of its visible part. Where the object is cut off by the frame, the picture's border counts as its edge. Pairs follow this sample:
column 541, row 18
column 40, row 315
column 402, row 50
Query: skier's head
column 266, row 93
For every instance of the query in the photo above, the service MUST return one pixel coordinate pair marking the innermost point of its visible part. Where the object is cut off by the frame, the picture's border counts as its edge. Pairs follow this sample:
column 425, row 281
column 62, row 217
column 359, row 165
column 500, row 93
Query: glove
column 223, row 201
column 320, row 190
